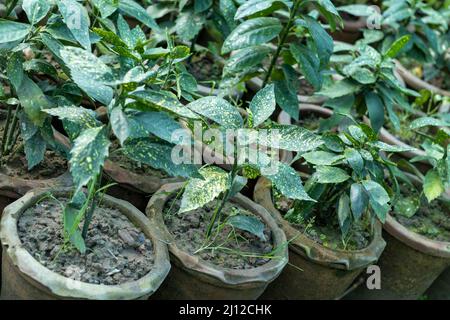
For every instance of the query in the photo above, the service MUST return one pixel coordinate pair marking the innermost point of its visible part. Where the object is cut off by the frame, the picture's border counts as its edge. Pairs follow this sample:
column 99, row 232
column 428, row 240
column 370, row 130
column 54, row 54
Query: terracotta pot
column 25, row 278
column 409, row 264
column 193, row 278
column 314, row 271
column 285, row 119
column 417, row 83
column 440, row 290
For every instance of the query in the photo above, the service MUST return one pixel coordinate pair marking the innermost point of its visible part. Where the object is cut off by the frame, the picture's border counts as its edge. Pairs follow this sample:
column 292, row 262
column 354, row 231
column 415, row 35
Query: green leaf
column 89, row 72
column 397, row 46
column 322, row 40
column 88, row 155
column 340, row 88
column 77, row 20
column 309, row 64
column 81, row 117
column 14, row 69
column 36, row 10
column 202, row 5
column 290, row 137
column 33, row 100
column 354, row 159
column 163, row 100
column 358, row 200
column 217, row 110
column 263, row 105
column 251, row 33
column 246, row 58
column 407, row 206
column 199, row 192
column 357, row 10
column 11, row 31
column 158, row 156
column 376, row 110
column 238, row 184
column 132, row 9
column 248, row 223
column 120, row 124
column 344, row 214
column 188, row 25
column 106, row 7
column 328, row 174
column 259, row 7
column 432, row 185
column 285, row 178
column 390, row 148
column 428, row 121
column 286, row 99
column 378, row 198
column 159, row 124
column 323, row 158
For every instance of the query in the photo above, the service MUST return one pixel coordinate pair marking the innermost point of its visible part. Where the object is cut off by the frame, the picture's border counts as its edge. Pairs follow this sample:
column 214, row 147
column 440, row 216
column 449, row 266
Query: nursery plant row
column 224, row 149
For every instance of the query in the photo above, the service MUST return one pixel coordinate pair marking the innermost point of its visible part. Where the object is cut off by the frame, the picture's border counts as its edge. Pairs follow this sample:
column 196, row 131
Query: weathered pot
column 417, row 83
column 409, row 264
column 193, row 278
column 304, row 108
column 440, row 290
column 25, row 278
column 314, row 271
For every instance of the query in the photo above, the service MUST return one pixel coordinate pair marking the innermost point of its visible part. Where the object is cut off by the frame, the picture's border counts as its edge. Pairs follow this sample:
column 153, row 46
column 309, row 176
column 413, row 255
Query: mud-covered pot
column 194, row 278
column 25, row 278
column 314, row 271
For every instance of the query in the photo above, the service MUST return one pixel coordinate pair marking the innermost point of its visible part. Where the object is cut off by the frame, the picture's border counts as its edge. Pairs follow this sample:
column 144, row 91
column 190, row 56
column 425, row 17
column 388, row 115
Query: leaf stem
column 282, row 40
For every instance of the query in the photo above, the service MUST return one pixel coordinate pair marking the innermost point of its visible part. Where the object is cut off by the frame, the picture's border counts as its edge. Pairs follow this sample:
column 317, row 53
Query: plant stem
column 10, row 140
column 282, row 40
column 5, row 132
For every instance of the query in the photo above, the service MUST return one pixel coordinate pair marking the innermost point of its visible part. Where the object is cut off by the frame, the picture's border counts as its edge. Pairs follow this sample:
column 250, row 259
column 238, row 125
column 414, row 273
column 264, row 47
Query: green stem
column 10, row 140
column 5, row 132
column 282, row 40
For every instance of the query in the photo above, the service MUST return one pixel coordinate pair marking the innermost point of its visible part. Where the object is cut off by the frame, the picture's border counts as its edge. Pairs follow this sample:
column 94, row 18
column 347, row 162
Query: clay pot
column 25, row 278
column 417, row 83
column 285, row 119
column 314, row 271
column 440, row 290
column 193, row 278
column 409, row 264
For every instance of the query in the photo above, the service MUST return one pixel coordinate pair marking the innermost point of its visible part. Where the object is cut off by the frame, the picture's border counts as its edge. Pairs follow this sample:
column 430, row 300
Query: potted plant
column 335, row 237
column 417, row 228
column 254, row 55
column 206, row 263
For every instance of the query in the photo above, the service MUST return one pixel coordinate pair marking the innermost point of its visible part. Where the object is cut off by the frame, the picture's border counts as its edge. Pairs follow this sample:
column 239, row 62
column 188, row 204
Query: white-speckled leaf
column 199, row 192
column 290, row 137
column 89, row 72
column 88, row 155
column 329, row 174
column 77, row 20
column 263, row 105
column 11, row 31
column 218, row 110
column 36, row 10
column 163, row 100
column 158, row 156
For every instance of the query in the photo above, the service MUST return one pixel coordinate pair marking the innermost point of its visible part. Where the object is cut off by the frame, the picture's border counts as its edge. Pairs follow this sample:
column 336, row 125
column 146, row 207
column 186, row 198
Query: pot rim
column 417, row 83
column 65, row 287
column 416, row 240
column 303, row 245
column 214, row 273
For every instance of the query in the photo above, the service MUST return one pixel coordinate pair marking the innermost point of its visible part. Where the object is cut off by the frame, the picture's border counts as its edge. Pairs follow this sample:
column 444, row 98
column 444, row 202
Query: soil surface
column 16, row 164
column 309, row 120
column 203, row 68
column 117, row 251
column 431, row 220
column 327, row 234
column 117, row 157
column 189, row 230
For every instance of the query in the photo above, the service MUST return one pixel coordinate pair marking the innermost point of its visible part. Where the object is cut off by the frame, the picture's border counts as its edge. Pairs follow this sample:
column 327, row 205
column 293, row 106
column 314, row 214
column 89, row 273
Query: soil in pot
column 117, row 251
column 231, row 248
column 432, row 220
column 203, row 67
column 323, row 232
column 53, row 165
